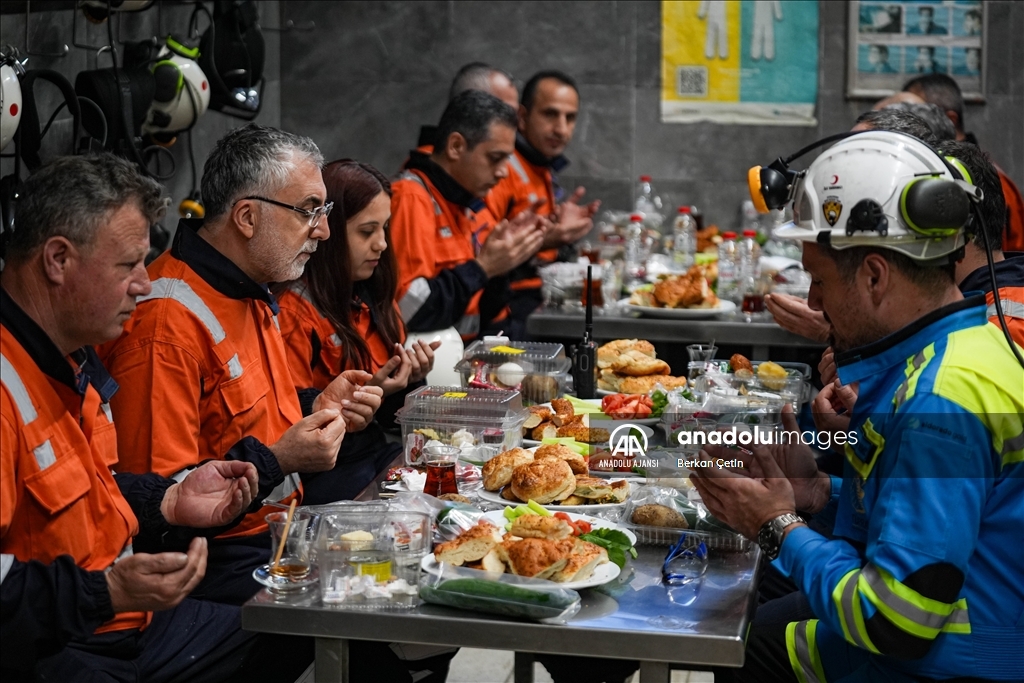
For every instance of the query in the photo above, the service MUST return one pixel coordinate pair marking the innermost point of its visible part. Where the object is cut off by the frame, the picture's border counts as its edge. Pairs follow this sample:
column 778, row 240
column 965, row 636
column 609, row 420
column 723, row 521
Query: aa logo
column 628, row 441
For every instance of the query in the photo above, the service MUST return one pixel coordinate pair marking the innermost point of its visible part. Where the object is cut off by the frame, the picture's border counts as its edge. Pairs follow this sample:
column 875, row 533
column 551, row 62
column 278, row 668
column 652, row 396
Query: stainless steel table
column 703, row 623
column 760, row 335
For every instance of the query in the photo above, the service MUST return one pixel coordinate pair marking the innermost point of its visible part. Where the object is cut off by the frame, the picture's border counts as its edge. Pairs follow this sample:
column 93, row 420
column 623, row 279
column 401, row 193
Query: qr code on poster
column 692, row 81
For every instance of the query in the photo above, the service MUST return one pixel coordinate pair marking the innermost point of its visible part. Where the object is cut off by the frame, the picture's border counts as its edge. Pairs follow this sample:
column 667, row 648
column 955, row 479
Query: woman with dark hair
column 342, row 315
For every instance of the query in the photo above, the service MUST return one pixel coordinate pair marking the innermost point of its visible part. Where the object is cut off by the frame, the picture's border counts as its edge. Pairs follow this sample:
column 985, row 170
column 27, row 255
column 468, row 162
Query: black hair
column 898, row 121
column 530, row 89
column 984, row 176
column 940, row 90
column 74, row 196
column 471, row 114
column 939, row 124
column 474, row 76
column 928, row 277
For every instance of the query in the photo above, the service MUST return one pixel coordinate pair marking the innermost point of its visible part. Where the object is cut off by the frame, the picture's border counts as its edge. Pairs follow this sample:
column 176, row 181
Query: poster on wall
column 748, row 62
column 892, row 42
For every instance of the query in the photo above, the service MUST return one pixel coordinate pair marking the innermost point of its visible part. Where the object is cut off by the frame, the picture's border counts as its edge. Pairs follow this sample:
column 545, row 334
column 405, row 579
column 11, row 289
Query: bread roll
column 577, row 462
column 498, row 470
column 543, row 481
column 658, row 515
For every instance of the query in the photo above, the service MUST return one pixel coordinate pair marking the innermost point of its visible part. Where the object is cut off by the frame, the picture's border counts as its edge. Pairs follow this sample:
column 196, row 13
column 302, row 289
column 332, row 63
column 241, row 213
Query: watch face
column 766, row 538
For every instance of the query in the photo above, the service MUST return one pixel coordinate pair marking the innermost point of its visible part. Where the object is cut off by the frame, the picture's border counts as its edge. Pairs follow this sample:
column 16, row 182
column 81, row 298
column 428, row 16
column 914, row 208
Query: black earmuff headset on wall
column 930, row 206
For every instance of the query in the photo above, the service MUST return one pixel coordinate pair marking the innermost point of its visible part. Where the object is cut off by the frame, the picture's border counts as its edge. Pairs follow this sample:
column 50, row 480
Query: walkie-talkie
column 584, row 368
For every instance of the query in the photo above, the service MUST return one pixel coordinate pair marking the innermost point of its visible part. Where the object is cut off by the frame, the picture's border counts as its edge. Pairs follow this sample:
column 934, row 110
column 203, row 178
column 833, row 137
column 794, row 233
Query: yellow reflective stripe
column 1013, row 450
column 906, row 608
column 802, row 648
column 812, row 646
column 851, row 614
column 864, row 468
column 914, row 370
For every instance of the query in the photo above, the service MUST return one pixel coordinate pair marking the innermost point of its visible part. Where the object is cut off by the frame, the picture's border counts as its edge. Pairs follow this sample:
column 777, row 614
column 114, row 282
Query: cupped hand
column 352, row 395
column 792, row 313
column 394, row 375
column 211, row 495
column 144, row 582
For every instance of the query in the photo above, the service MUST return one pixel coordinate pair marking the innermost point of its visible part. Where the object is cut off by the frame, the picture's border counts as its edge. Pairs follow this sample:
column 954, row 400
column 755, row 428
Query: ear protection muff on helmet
column 931, row 206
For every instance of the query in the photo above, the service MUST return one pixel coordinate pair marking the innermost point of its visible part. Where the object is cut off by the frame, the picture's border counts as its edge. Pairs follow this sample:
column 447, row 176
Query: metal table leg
column 523, row 672
column 332, row 660
column 655, row 672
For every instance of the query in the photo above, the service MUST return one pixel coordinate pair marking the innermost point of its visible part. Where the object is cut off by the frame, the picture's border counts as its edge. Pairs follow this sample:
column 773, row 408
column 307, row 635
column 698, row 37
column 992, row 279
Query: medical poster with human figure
column 891, row 42
column 752, row 62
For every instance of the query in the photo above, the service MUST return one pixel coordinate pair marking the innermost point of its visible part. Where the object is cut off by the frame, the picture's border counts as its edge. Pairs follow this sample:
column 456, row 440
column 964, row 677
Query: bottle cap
column 636, row 217
column 645, row 179
column 730, row 235
column 750, row 233
column 684, row 209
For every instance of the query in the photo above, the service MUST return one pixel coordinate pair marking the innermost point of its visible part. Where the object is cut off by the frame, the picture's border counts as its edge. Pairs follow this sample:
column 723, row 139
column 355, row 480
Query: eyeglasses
column 686, row 560
column 314, row 215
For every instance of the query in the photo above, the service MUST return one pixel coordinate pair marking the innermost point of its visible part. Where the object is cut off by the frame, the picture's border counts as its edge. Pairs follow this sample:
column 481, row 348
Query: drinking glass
column 441, row 470
column 294, row 562
column 700, row 355
column 407, row 534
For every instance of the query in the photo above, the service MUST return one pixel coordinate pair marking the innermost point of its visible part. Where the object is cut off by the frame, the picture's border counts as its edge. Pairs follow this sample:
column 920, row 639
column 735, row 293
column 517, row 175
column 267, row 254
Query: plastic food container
column 506, row 595
column 793, row 389
column 481, row 422
column 701, row 526
column 538, row 370
column 358, row 554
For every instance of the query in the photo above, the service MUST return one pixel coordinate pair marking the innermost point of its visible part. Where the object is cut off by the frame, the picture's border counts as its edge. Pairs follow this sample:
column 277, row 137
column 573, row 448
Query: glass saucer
column 279, row 583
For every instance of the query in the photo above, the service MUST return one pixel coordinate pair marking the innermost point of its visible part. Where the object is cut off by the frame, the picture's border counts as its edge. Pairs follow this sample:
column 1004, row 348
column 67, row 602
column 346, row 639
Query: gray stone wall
column 373, row 72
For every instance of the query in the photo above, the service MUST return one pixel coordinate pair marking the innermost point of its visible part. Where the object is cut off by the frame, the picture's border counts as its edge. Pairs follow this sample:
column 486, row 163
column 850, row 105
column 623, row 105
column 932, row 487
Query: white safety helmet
column 10, row 103
column 182, row 90
column 883, row 189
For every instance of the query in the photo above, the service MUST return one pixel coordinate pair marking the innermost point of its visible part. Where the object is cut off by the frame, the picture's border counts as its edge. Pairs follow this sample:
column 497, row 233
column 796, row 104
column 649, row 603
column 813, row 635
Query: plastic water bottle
column 750, row 256
column 635, row 253
column 728, row 268
column 647, row 202
column 684, row 239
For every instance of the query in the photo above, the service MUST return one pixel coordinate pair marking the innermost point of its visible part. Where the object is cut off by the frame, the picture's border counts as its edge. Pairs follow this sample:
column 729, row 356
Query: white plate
column 683, row 313
column 495, row 497
column 602, row 575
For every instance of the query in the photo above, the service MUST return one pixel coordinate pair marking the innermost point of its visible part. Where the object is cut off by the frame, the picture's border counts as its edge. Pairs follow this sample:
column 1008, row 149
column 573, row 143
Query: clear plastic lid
column 462, row 405
column 543, row 358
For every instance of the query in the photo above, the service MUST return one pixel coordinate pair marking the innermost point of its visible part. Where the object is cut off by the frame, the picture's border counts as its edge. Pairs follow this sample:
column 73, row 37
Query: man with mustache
column 202, row 365
column 547, row 121
column 453, row 256
column 96, row 565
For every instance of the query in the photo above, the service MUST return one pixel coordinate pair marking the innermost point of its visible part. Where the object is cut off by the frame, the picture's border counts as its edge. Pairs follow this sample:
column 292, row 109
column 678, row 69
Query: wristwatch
column 770, row 535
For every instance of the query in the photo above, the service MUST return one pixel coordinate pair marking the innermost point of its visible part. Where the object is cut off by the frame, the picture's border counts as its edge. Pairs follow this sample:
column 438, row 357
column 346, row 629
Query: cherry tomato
column 584, row 526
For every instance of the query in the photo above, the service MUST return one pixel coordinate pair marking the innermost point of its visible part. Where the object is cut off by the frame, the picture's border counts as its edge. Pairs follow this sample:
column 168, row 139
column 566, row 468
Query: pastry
column 658, row 515
column 577, row 462
column 544, row 481
column 536, row 557
column 535, row 526
column 470, row 546
column 497, row 471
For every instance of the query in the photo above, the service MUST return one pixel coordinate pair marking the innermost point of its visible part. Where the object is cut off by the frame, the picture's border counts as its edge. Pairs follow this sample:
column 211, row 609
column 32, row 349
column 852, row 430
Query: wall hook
column 28, row 49
column 291, row 26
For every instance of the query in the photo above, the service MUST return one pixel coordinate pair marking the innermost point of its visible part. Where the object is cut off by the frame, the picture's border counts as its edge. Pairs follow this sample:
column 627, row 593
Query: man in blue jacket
column 924, row 578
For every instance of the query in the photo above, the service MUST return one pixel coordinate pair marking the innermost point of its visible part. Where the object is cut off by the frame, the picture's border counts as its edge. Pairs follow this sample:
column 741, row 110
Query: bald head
column 897, row 98
column 485, row 78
